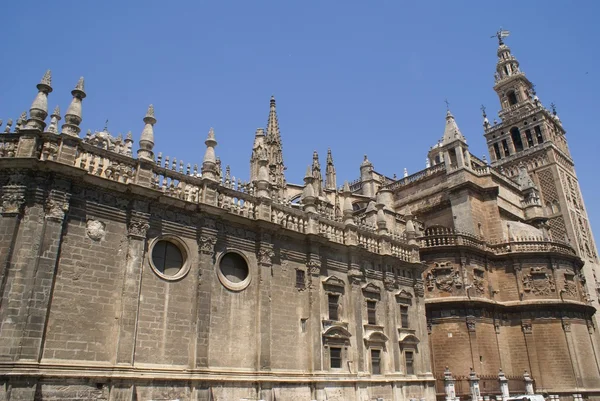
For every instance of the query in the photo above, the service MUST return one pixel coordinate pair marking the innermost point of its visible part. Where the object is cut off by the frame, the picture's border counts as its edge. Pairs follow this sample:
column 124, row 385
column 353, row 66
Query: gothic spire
column 73, row 114
column 451, row 132
column 54, row 119
column 146, row 143
column 330, row 172
column 39, row 108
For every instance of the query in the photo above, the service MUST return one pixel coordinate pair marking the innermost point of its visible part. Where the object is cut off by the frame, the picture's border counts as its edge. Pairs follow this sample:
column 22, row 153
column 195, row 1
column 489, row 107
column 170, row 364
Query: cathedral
column 129, row 276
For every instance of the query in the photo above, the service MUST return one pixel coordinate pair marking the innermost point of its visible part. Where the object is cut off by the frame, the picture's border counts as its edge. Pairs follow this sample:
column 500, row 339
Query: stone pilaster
column 207, row 239
column 355, row 277
column 265, row 264
column 137, row 228
column 527, row 329
column 313, row 271
column 57, row 204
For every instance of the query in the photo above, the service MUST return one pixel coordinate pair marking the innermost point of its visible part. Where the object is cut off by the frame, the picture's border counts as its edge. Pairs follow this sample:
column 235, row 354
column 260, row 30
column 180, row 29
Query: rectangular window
column 333, row 301
column 300, row 278
column 375, row 362
column 529, row 138
column 335, row 358
column 410, row 362
column 538, row 134
column 497, row 151
column 372, row 312
column 404, row 316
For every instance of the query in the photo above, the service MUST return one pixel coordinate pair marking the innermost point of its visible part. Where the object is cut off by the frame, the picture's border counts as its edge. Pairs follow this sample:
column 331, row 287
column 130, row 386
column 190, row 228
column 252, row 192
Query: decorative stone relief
column 95, row 229
column 471, row 325
column 566, row 326
column 538, row 281
column 138, row 227
column 355, row 276
column 207, row 244
column 57, row 205
column 419, row 288
column 526, row 327
column 478, row 281
column 570, row 287
column 314, row 264
column 389, row 282
column 13, row 198
column 265, row 256
column 444, row 277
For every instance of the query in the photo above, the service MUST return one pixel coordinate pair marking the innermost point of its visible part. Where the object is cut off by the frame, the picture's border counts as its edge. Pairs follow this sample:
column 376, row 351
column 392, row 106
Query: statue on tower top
column 501, row 34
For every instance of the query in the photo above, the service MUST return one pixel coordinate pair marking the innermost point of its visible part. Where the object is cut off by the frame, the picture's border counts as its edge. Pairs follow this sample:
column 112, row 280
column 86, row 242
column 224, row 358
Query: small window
column 512, row 98
column 303, row 324
column 300, row 278
column 167, row 257
column 372, row 312
column 333, row 301
column 505, row 148
column 375, row 362
column 410, row 362
column 335, row 358
column 516, row 138
column 404, row 316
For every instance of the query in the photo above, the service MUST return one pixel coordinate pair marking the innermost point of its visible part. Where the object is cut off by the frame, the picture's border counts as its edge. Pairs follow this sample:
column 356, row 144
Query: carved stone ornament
column 526, row 327
column 314, row 264
column 138, row 228
column 471, row 325
column 95, row 230
column 389, row 282
column 265, row 256
column 566, row 326
column 538, row 281
column 12, row 199
column 478, row 284
column 419, row 288
column 207, row 244
column 355, row 276
column 56, row 208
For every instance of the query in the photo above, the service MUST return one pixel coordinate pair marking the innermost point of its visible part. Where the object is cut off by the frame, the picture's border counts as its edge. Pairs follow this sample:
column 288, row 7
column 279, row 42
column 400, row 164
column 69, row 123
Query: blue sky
column 361, row 77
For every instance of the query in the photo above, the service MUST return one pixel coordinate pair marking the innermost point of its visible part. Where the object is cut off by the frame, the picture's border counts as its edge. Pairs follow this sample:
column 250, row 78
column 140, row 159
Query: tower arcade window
column 505, row 148
column 516, row 138
column 372, row 312
column 375, row 362
column 529, row 138
column 538, row 134
column 512, row 97
column 497, row 151
column 335, row 358
column 333, row 303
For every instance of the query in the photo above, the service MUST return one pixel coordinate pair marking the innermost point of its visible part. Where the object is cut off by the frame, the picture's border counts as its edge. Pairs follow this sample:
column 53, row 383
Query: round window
column 168, row 258
column 233, row 271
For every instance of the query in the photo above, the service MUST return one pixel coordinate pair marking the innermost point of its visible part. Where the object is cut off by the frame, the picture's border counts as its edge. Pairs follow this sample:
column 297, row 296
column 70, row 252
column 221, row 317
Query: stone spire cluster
column 274, row 149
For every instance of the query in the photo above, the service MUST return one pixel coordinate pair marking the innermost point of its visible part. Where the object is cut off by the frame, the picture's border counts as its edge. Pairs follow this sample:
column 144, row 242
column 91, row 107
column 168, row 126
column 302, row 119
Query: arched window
column 512, row 98
column 516, row 138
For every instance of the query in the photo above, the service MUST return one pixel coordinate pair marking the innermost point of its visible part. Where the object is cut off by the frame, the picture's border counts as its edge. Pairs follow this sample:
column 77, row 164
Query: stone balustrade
column 112, row 160
column 421, row 175
column 441, row 237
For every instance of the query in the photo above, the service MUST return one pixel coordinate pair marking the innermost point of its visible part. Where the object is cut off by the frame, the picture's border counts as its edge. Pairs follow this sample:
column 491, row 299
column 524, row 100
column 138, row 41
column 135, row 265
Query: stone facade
column 139, row 278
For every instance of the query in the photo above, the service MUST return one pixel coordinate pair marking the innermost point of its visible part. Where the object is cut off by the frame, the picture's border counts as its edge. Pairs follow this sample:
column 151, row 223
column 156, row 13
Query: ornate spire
column 146, row 143
column 451, row 132
column 209, row 163
column 330, row 177
column 54, row 119
column 274, row 147
column 39, row 108
column 73, row 114
column 316, row 173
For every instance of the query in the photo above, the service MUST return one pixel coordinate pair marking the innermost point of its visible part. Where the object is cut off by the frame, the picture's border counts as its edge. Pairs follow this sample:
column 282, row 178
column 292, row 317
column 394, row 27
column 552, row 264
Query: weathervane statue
column 501, row 34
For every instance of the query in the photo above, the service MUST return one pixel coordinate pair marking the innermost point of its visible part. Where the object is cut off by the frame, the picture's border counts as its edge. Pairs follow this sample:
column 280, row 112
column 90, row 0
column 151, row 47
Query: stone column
column 265, row 264
column 206, row 261
column 137, row 228
column 503, row 385
column 527, row 329
column 449, row 385
column 57, row 204
column 474, row 385
column 528, row 383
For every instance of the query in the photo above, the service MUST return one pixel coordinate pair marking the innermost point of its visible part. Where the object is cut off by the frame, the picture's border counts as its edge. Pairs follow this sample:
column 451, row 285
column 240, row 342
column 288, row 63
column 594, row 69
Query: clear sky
column 362, row 77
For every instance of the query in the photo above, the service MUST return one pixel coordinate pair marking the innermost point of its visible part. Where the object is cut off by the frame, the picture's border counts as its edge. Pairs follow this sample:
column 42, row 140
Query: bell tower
column 530, row 134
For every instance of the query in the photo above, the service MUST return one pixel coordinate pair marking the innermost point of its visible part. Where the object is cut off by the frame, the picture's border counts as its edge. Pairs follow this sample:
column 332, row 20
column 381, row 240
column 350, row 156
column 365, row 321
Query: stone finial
column 330, row 176
column 21, row 121
column 405, row 172
column 73, row 114
column 348, row 210
column 308, row 192
column 210, row 167
column 39, row 108
column 146, row 143
column 8, row 126
column 54, row 119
